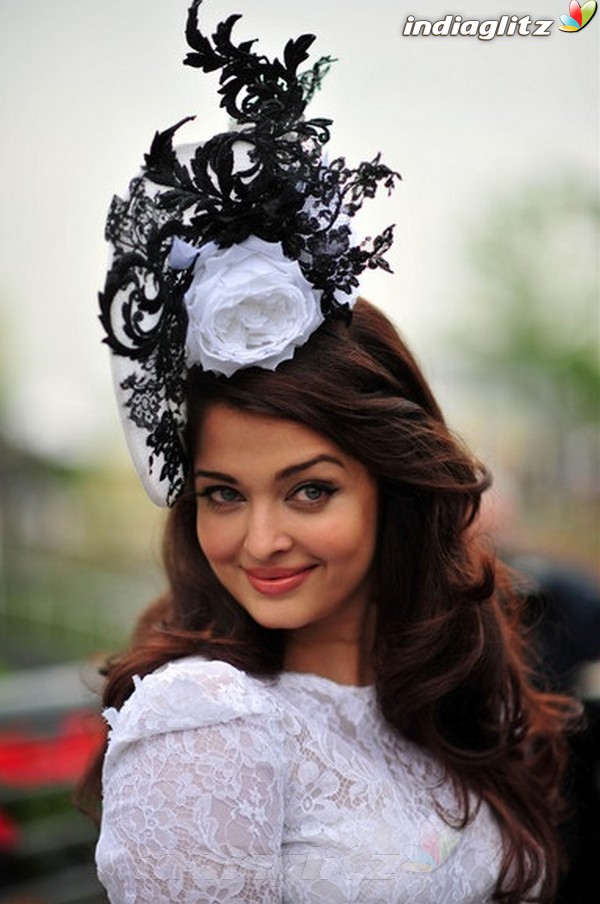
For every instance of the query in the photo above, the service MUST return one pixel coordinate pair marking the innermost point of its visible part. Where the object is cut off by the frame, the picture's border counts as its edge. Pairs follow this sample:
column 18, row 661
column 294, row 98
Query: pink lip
column 273, row 581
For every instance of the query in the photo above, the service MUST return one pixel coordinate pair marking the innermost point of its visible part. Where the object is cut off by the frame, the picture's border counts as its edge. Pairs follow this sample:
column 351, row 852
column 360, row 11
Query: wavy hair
column 453, row 667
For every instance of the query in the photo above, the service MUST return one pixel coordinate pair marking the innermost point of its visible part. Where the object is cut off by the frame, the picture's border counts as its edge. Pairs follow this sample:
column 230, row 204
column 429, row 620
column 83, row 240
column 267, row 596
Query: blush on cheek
column 207, row 548
column 205, row 541
column 344, row 536
column 217, row 543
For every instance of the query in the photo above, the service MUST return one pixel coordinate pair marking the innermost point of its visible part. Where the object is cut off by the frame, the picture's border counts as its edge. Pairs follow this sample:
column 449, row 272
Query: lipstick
column 273, row 581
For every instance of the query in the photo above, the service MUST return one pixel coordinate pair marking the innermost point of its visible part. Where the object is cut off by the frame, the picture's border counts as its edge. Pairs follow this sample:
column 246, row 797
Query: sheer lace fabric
column 219, row 787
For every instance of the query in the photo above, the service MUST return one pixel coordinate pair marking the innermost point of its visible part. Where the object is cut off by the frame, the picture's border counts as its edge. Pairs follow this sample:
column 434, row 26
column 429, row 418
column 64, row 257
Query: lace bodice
column 220, row 787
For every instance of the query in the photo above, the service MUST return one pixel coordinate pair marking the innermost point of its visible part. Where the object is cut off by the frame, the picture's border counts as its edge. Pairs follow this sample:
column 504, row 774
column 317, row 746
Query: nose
column 266, row 533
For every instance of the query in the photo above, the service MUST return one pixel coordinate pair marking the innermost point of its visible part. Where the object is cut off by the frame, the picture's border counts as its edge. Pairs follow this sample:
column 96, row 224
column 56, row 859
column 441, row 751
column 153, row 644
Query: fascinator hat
column 231, row 253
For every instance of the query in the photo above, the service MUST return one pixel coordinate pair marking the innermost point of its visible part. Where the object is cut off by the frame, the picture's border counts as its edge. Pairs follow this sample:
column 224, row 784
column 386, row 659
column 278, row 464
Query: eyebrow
column 281, row 475
column 305, row 465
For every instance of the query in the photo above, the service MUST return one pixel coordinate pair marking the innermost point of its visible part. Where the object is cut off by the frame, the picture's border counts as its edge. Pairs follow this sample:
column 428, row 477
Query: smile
column 273, row 581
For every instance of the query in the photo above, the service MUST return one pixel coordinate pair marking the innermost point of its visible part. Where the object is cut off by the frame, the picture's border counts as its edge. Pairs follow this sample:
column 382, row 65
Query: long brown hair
column 453, row 669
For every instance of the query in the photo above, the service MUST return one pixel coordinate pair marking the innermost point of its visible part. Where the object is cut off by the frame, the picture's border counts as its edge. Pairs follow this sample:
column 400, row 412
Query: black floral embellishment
column 262, row 186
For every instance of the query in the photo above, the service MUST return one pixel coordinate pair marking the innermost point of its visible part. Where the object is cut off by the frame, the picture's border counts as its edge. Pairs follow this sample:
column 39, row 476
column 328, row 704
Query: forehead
column 245, row 438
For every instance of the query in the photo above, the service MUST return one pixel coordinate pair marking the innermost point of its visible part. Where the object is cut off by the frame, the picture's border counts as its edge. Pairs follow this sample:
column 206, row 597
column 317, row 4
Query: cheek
column 217, row 540
column 347, row 540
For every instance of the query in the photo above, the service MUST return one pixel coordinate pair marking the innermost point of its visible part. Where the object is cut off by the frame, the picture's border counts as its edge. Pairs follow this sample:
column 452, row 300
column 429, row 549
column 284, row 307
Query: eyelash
column 209, row 495
column 327, row 490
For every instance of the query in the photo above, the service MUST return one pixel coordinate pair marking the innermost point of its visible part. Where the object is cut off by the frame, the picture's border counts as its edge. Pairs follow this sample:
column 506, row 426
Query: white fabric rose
column 247, row 305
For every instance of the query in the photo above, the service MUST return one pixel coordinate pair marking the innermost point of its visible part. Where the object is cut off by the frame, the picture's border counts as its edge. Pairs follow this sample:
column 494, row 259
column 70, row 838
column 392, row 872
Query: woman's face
column 286, row 520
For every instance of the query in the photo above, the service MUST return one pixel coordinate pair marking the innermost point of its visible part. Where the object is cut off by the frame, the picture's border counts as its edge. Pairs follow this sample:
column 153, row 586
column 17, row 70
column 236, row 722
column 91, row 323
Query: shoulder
column 193, row 788
column 188, row 694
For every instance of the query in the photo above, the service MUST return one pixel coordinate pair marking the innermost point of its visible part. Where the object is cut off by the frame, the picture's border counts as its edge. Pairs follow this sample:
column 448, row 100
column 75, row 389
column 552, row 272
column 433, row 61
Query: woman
column 333, row 701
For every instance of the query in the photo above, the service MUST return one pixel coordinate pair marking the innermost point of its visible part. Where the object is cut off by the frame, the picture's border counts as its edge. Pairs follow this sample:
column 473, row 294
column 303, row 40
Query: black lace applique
column 279, row 189
column 144, row 318
column 284, row 193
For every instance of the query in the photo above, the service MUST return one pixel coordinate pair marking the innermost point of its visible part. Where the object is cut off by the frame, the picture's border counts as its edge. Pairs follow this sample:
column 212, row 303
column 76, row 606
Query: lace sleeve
column 193, row 814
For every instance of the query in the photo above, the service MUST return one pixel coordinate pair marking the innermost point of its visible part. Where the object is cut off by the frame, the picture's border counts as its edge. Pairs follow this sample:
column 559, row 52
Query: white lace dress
column 220, row 787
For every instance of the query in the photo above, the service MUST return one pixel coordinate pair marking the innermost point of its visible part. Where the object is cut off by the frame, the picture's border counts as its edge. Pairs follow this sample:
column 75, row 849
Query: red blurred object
column 30, row 760
column 9, row 833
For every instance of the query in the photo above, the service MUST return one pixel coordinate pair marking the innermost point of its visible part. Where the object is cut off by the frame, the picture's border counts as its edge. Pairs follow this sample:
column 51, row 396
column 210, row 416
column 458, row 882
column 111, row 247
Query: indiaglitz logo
column 506, row 25
column 579, row 16
column 484, row 29
column 434, row 847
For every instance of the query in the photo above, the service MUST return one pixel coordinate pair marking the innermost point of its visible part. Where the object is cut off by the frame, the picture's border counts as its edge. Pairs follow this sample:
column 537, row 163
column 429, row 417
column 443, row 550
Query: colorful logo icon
column 433, row 848
column 579, row 16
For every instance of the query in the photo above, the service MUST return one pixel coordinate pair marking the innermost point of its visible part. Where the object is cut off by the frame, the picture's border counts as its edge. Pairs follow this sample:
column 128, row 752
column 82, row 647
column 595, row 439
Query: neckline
column 338, row 687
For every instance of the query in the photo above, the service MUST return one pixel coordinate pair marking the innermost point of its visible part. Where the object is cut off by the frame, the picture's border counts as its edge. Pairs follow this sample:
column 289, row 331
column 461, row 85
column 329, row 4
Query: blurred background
column 495, row 285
